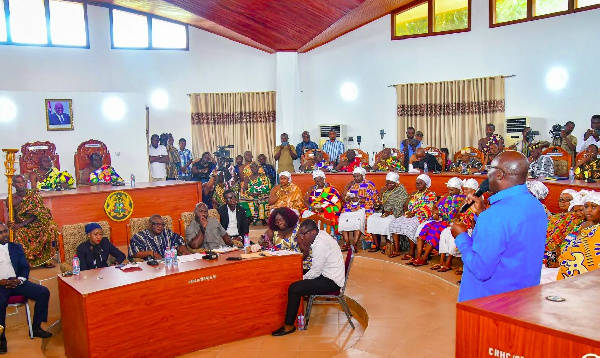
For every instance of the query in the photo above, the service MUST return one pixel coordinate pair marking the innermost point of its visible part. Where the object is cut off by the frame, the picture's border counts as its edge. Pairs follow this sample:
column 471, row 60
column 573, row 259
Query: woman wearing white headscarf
column 392, row 197
column 322, row 199
column 360, row 197
column 286, row 194
column 419, row 209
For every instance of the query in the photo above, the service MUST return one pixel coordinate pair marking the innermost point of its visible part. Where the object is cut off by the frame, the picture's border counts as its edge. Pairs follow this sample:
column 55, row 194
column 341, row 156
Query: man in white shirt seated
column 591, row 136
column 14, row 274
column 326, row 275
column 233, row 216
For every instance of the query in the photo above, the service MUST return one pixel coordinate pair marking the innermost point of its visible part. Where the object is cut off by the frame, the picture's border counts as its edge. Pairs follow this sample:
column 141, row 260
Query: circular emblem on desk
column 118, row 206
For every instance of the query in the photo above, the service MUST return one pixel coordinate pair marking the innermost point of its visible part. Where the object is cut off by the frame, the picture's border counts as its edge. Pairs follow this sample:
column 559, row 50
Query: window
column 30, row 20
column 140, row 31
column 67, row 23
column 431, row 17
column 513, row 11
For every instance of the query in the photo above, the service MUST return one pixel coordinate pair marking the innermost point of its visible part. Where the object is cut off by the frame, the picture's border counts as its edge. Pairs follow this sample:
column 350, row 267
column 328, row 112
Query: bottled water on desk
column 174, row 259
column 571, row 174
column 246, row 240
column 132, row 181
column 168, row 257
column 76, row 267
column 425, row 170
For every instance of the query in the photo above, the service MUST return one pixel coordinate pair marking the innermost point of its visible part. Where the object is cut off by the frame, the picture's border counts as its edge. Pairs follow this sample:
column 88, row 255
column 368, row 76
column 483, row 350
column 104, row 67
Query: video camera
column 223, row 155
column 530, row 134
column 556, row 131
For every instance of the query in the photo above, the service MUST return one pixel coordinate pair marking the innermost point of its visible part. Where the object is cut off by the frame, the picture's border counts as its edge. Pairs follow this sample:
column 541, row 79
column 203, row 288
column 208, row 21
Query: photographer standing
column 522, row 146
column 285, row 154
column 591, row 136
column 568, row 141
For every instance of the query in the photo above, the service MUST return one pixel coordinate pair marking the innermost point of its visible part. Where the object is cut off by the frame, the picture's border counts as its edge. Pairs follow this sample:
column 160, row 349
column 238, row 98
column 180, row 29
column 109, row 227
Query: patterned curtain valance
column 438, row 109
column 233, row 118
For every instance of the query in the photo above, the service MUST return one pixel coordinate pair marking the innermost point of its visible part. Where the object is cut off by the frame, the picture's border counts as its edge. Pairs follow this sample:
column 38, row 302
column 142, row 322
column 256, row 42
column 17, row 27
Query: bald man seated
column 205, row 232
column 421, row 157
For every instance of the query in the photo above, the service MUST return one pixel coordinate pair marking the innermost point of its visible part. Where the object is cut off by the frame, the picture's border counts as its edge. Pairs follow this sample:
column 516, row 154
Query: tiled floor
column 405, row 312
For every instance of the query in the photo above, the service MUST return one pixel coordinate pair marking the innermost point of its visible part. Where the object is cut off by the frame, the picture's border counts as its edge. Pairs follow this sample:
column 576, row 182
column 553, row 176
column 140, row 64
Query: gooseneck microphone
column 484, row 187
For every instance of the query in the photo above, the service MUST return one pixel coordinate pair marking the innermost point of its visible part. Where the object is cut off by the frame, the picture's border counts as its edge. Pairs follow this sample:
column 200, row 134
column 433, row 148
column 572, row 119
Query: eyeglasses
column 157, row 224
column 304, row 233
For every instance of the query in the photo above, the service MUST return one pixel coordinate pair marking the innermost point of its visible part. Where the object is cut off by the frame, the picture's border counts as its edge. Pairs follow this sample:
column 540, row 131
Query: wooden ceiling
column 269, row 25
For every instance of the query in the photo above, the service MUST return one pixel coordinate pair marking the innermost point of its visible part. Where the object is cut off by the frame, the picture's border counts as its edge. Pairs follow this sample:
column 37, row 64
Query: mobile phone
column 232, row 258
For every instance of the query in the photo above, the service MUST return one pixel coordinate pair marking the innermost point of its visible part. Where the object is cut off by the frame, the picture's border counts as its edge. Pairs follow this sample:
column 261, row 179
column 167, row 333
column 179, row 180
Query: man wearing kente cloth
column 589, row 166
column 98, row 174
column 47, row 176
column 33, row 227
column 351, row 162
column 387, row 162
column 490, row 137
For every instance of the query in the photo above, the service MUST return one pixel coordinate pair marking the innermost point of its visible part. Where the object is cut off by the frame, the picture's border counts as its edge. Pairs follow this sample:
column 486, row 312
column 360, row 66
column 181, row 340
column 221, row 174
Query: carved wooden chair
column 136, row 225
column 311, row 153
column 439, row 156
column 31, row 154
column 473, row 152
column 364, row 157
column 395, row 153
column 561, row 158
column 84, row 151
column 69, row 239
column 188, row 216
column 579, row 156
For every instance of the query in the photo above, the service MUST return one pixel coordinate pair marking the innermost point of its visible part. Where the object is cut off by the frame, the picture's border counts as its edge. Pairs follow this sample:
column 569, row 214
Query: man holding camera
column 592, row 135
column 568, row 141
column 285, row 154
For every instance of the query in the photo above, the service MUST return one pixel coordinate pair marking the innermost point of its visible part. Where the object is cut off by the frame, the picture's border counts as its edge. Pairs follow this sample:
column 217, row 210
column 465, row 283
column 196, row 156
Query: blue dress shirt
column 410, row 149
column 302, row 147
column 506, row 249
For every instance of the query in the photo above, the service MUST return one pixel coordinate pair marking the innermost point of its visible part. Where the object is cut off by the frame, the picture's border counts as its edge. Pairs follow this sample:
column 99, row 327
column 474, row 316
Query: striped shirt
column 334, row 149
column 186, row 157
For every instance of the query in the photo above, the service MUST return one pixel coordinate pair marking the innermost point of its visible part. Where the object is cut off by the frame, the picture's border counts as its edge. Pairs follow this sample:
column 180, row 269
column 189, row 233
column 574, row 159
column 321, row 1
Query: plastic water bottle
column 246, row 240
column 174, row 259
column 76, row 267
column 168, row 257
column 132, row 181
column 301, row 322
column 425, row 170
column 571, row 174
column 28, row 184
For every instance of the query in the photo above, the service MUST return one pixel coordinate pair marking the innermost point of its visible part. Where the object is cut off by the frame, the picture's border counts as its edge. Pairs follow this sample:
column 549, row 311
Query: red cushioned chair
column 16, row 301
column 339, row 295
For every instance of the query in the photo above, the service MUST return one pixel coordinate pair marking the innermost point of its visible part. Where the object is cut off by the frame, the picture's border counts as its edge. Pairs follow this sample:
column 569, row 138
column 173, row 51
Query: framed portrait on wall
column 59, row 114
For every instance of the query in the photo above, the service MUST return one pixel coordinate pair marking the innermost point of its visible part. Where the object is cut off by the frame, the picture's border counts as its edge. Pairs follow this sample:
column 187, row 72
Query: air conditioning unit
column 339, row 129
column 514, row 129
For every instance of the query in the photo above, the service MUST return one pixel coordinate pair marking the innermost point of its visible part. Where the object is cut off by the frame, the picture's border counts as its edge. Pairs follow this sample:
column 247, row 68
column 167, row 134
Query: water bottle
column 571, row 174
column 76, row 268
column 28, row 184
column 301, row 322
column 425, row 171
column 168, row 257
column 246, row 240
column 174, row 259
column 132, row 181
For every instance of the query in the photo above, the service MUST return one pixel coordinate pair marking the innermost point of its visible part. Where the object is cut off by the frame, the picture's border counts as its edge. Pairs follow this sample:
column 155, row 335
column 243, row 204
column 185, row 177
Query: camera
column 530, row 134
column 556, row 130
column 223, row 155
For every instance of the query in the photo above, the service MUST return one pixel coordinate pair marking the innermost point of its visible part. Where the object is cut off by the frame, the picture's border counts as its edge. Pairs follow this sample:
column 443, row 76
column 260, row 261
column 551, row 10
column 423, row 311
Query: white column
column 289, row 112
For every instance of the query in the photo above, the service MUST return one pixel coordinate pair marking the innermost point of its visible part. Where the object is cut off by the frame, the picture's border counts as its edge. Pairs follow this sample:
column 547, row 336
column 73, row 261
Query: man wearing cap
column 94, row 253
column 14, row 281
column 419, row 138
column 506, row 247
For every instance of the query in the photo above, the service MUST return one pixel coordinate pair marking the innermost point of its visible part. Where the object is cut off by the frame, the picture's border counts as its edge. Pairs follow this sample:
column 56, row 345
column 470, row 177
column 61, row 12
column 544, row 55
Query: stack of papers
column 225, row 249
column 189, row 258
column 285, row 253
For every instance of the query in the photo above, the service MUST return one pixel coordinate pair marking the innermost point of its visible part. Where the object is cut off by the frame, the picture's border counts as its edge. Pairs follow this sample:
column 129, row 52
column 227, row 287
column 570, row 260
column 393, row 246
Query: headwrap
column 359, row 170
column 569, row 191
column 317, row 173
column 578, row 200
column 426, row 179
column 471, row 184
column 592, row 197
column 285, row 173
column 465, row 150
column 91, row 227
column 455, row 183
column 393, row 176
column 538, row 189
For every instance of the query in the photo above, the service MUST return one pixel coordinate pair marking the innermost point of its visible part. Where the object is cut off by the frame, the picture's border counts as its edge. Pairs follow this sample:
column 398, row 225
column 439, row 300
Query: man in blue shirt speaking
column 505, row 251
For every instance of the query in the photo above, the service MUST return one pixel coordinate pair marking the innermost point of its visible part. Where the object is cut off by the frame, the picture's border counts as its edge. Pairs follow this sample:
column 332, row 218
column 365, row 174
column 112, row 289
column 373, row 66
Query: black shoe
column 3, row 347
column 38, row 332
column 282, row 332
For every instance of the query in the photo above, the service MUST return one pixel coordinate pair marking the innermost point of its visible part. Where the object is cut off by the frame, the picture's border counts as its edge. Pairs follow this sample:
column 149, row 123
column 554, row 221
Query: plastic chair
column 16, row 301
column 339, row 295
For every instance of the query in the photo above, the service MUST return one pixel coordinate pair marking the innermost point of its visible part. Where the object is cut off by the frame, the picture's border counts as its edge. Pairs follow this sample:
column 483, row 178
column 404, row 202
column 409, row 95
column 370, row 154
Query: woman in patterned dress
column 33, row 227
column 419, row 210
column 322, row 199
column 286, row 194
column 254, row 196
column 559, row 226
column 219, row 182
column 281, row 235
column 444, row 212
column 360, row 199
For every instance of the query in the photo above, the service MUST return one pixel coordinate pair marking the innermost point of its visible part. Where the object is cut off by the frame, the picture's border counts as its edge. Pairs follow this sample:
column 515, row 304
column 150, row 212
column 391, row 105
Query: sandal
column 383, row 251
column 418, row 262
column 48, row 265
column 354, row 248
column 373, row 249
column 344, row 248
column 394, row 254
column 407, row 257
column 459, row 271
column 436, row 267
column 445, row 269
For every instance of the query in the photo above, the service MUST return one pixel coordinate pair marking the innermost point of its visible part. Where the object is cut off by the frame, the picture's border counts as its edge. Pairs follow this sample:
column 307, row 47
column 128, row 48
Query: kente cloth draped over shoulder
column 391, row 200
column 588, row 170
column 289, row 196
column 391, row 163
column 37, row 237
column 220, row 189
column 448, row 208
column 146, row 241
column 364, row 190
column 494, row 139
column 473, row 163
column 54, row 178
column 174, row 162
column 420, row 204
column 256, row 207
column 582, row 254
column 105, row 174
column 330, row 201
column 559, row 226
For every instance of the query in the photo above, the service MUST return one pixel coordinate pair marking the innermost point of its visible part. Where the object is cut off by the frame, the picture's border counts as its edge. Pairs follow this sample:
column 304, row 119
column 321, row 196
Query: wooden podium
column 525, row 323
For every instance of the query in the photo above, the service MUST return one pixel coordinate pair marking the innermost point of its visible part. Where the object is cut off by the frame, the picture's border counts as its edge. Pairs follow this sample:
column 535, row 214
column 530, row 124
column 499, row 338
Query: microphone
column 484, row 187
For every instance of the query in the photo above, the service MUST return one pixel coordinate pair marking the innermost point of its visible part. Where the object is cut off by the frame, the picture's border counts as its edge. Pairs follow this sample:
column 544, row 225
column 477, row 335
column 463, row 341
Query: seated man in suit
column 155, row 240
column 204, row 232
column 421, row 157
column 59, row 117
column 96, row 173
column 233, row 217
column 14, row 274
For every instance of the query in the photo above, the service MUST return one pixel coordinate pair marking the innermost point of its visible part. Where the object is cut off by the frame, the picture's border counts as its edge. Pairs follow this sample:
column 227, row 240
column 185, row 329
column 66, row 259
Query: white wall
column 31, row 74
column 370, row 59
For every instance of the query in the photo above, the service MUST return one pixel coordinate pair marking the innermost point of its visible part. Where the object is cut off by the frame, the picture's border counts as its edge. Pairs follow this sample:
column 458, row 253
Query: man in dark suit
column 14, row 281
column 59, row 117
column 230, row 211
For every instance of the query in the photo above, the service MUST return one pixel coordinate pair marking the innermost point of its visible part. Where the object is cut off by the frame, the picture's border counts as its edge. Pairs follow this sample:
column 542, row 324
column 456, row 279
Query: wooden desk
column 438, row 183
column 159, row 312
column 86, row 203
column 525, row 324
